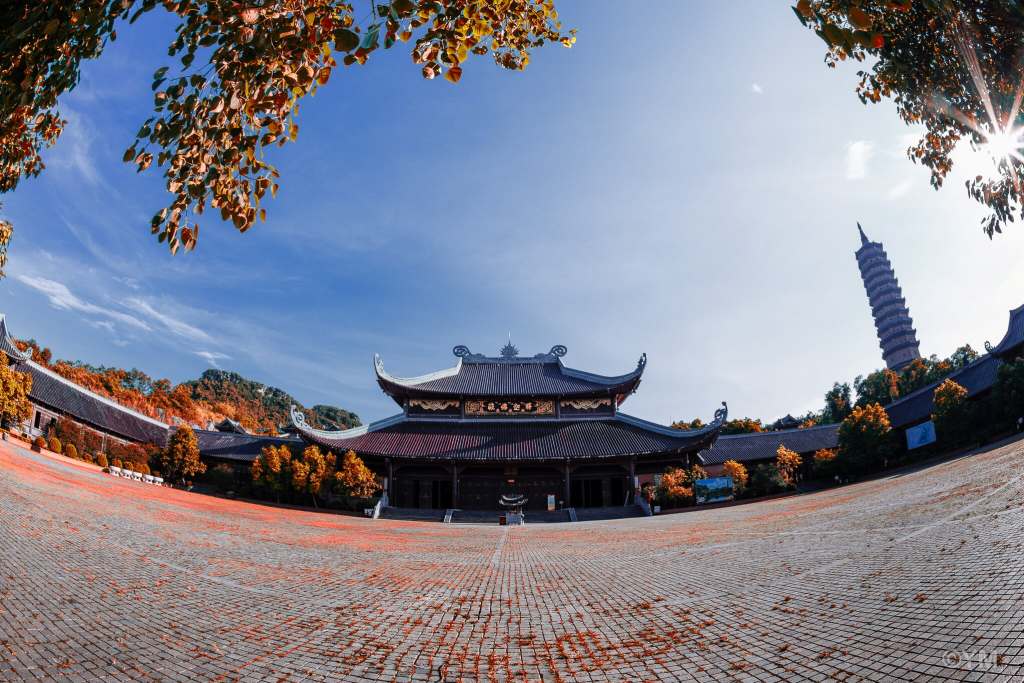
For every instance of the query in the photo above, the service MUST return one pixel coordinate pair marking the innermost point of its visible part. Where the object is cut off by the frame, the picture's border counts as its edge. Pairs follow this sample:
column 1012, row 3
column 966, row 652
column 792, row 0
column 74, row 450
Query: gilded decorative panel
column 499, row 407
column 587, row 403
column 433, row 405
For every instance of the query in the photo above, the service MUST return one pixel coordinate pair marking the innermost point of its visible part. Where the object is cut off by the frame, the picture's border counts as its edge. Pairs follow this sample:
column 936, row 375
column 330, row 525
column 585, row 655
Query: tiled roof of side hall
column 1014, row 336
column 511, row 440
column 64, row 396
column 917, row 406
column 540, row 375
column 238, row 446
column 764, row 445
column 7, row 344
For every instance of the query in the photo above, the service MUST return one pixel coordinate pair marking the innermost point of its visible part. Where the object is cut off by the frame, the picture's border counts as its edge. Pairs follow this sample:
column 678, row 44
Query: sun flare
column 1003, row 145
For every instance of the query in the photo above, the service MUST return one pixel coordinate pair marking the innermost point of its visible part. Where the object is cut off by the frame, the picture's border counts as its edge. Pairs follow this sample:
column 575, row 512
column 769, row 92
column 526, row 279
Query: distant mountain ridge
column 213, row 396
column 267, row 407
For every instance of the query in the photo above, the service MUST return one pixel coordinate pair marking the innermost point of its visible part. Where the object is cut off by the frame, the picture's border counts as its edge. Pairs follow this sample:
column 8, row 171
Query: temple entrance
column 587, row 493
column 594, row 486
column 422, row 487
column 441, row 495
column 618, row 491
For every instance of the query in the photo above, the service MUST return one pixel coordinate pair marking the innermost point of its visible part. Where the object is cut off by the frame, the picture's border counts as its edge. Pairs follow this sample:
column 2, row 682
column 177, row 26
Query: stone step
column 412, row 514
column 616, row 512
column 491, row 516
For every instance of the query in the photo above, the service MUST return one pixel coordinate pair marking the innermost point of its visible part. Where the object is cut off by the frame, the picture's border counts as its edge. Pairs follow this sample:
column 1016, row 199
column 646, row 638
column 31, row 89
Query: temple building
column 514, row 425
column 895, row 327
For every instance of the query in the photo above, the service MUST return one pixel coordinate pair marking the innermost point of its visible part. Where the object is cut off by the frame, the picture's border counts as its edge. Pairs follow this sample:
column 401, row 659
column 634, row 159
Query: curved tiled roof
column 917, row 406
column 64, row 396
column 540, row 375
column 511, row 440
column 7, row 344
column 238, row 446
column 764, row 445
column 1014, row 336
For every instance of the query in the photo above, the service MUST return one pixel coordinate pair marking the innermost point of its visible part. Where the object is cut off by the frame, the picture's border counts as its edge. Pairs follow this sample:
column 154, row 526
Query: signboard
column 551, row 502
column 921, row 435
column 714, row 490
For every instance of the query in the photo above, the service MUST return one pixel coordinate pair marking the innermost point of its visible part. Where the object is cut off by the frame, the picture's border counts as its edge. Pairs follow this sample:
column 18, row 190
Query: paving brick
column 918, row 576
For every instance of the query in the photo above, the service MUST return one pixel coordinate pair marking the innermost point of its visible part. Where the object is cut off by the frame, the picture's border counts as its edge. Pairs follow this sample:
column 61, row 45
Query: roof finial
column 863, row 238
column 509, row 350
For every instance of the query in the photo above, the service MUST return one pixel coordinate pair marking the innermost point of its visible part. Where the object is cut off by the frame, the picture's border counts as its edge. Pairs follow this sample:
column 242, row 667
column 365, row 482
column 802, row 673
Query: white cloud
column 857, row 155
column 74, row 151
column 900, row 189
column 61, row 297
column 756, row 89
column 212, row 357
column 174, row 325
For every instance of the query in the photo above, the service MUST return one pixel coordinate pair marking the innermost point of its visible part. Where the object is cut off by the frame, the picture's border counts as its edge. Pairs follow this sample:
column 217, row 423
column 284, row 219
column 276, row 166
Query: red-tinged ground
column 918, row 576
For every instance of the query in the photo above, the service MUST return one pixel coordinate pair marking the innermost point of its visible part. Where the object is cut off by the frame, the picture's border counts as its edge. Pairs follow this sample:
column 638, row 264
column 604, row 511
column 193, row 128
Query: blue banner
column 921, row 435
column 714, row 490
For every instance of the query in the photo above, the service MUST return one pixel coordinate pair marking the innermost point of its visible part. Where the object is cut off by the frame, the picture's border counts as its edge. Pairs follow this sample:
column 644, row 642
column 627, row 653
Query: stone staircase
column 491, row 516
column 616, row 512
column 412, row 514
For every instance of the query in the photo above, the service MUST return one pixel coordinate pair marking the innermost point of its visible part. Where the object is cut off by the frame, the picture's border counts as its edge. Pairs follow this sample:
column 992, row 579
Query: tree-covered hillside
column 258, row 406
column 215, row 395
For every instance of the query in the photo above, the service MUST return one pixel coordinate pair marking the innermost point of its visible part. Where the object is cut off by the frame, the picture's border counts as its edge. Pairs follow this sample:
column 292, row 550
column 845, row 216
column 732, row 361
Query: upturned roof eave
column 412, row 387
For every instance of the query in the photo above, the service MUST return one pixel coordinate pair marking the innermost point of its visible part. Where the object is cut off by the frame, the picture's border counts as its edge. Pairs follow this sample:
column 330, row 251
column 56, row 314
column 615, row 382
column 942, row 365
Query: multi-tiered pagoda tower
column 896, row 333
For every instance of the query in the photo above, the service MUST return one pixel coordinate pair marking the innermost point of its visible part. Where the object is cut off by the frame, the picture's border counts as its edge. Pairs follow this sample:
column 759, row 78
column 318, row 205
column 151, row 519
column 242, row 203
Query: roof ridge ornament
column 642, row 363
column 721, row 415
column 558, row 350
column 509, row 350
column 461, row 351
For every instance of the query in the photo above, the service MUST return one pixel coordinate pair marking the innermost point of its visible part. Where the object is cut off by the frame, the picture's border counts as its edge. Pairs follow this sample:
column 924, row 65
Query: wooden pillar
column 455, row 486
column 568, row 486
column 632, row 477
column 391, row 482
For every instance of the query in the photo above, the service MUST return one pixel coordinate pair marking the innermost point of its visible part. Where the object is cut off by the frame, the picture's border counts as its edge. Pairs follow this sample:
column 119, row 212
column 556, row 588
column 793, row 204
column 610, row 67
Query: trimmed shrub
column 825, row 466
column 55, row 445
column 71, row 451
column 38, row 444
column 130, row 466
column 101, row 460
column 953, row 413
column 865, row 440
column 788, row 463
column 738, row 472
column 117, row 462
column 766, row 480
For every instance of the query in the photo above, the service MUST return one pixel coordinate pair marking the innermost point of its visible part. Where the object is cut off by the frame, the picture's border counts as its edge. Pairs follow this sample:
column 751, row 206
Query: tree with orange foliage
column 14, row 389
column 952, row 413
column 354, row 478
column 788, row 462
column 271, row 470
column 311, row 471
column 865, row 439
column 738, row 472
column 180, row 461
column 825, row 466
column 676, row 486
column 232, row 93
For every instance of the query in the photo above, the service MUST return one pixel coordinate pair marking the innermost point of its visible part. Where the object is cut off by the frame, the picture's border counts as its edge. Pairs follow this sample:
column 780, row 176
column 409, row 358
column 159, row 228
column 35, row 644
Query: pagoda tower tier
column 895, row 327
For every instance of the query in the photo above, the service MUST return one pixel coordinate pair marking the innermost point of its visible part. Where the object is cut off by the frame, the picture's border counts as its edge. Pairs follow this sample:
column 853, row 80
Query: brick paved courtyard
column 918, row 576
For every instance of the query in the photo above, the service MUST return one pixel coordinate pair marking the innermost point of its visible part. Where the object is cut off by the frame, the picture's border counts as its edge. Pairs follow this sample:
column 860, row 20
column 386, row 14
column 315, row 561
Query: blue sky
column 685, row 182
